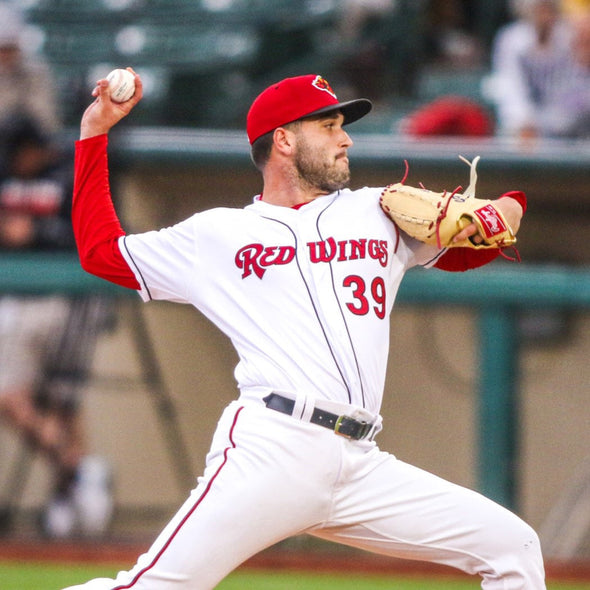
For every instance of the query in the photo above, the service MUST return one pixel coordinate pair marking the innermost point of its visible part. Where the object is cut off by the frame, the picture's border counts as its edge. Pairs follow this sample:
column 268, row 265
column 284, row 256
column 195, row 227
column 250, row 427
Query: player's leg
column 264, row 481
column 393, row 508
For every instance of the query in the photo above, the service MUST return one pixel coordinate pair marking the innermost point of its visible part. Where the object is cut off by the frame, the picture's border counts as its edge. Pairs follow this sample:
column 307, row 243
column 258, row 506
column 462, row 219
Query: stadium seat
column 202, row 48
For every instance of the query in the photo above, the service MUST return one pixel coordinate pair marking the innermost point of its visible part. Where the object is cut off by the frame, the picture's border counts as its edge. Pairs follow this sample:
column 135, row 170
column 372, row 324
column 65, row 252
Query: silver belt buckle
column 344, row 422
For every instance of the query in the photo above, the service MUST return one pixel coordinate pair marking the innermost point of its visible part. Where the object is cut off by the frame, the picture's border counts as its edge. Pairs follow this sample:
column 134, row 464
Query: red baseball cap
column 294, row 98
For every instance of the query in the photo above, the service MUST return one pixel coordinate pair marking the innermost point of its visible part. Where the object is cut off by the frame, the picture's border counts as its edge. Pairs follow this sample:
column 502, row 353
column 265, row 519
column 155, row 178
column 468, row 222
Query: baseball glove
column 435, row 218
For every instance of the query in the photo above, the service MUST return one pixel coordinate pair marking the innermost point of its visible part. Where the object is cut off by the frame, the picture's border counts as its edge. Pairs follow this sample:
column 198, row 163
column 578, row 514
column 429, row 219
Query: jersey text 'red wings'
column 256, row 258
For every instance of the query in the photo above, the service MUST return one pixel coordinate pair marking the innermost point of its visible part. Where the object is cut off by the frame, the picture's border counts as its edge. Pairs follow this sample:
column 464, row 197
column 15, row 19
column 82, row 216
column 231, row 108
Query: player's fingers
column 470, row 231
column 138, row 94
column 101, row 88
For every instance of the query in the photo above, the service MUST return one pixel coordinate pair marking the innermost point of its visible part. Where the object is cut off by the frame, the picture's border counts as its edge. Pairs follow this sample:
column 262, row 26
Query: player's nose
column 346, row 141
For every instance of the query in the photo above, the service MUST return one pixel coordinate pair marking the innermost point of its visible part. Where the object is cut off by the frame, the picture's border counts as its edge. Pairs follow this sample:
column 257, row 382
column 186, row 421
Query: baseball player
column 302, row 281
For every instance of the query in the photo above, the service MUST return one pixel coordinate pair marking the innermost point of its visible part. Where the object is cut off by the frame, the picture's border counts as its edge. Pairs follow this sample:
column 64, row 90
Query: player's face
column 321, row 156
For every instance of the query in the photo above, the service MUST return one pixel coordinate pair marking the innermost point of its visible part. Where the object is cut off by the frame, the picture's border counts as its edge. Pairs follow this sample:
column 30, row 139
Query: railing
column 497, row 295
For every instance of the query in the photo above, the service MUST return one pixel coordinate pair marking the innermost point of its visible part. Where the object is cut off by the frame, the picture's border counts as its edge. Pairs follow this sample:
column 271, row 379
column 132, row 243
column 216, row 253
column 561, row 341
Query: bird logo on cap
column 322, row 84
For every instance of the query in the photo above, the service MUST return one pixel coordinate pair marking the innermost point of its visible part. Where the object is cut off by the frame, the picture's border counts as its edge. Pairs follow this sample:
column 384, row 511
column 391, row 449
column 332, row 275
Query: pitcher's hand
column 103, row 113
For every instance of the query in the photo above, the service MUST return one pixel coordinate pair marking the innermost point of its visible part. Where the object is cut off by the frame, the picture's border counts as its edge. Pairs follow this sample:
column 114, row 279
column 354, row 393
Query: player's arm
column 96, row 225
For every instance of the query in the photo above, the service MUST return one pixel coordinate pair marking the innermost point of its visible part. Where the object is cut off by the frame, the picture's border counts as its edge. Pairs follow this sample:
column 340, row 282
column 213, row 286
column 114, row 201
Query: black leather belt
column 342, row 425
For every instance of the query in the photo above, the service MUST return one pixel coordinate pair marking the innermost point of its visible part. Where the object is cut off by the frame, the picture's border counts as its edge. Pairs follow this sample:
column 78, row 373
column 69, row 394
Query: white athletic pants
column 269, row 476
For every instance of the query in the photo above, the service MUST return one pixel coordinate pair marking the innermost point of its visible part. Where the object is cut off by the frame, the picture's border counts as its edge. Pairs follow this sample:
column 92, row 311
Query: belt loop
column 308, row 408
column 299, row 407
column 376, row 428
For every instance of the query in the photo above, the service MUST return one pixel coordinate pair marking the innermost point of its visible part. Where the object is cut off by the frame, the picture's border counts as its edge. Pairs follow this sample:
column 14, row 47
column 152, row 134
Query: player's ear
column 284, row 140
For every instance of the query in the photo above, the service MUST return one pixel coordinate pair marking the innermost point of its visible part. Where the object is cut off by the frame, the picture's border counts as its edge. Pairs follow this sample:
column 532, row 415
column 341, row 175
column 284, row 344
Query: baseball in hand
column 121, row 85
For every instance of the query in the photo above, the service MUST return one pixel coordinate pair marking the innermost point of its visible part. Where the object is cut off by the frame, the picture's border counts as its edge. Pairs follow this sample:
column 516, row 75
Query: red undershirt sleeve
column 460, row 259
column 96, row 226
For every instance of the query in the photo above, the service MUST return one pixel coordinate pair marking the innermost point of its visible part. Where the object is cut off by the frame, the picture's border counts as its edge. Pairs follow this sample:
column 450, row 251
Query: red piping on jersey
column 191, row 511
column 297, row 206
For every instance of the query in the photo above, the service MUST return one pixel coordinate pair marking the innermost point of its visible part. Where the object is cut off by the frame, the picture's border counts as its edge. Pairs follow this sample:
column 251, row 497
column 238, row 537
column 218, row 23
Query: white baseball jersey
column 339, row 260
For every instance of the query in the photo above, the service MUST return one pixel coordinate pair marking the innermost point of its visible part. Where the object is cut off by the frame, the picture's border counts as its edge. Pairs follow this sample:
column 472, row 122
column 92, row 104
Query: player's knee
column 522, row 558
column 531, row 549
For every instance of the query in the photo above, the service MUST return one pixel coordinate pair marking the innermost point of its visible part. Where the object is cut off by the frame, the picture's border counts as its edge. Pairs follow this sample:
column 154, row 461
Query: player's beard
column 318, row 170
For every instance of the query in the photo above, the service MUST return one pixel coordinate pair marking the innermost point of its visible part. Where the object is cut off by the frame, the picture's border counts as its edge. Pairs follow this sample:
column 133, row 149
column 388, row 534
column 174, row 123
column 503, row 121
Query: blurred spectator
column 373, row 35
column 356, row 15
column 537, row 65
column 574, row 8
column 450, row 40
column 35, row 202
column 448, row 116
column 26, row 83
column 566, row 110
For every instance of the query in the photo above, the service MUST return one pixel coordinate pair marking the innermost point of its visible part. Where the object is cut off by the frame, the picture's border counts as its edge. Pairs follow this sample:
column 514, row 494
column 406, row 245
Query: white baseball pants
column 269, row 476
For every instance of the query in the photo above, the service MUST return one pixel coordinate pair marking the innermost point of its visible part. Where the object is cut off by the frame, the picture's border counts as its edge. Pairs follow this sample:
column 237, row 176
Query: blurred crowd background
column 203, row 61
